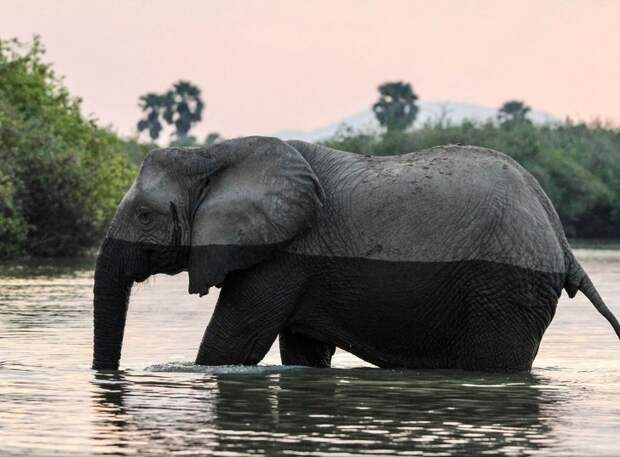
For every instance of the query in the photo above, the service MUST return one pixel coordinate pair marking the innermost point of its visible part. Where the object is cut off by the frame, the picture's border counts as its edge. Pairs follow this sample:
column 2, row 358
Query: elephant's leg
column 491, row 346
column 252, row 309
column 507, row 316
column 298, row 349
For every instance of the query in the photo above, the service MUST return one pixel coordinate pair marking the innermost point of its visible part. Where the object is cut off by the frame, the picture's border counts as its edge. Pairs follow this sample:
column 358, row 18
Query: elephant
column 451, row 257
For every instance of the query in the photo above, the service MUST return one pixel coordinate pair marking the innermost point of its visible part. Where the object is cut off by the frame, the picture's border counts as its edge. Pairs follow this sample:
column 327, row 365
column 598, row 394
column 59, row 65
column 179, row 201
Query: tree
column 153, row 104
column 396, row 108
column 183, row 107
column 61, row 176
column 513, row 110
column 180, row 106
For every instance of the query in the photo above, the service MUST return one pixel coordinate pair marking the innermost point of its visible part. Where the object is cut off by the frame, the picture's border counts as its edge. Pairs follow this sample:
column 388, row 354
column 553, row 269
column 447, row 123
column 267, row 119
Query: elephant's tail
column 578, row 280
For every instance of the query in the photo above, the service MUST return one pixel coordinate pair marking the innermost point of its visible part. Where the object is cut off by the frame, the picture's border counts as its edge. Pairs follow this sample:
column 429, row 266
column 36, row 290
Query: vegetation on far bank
column 62, row 175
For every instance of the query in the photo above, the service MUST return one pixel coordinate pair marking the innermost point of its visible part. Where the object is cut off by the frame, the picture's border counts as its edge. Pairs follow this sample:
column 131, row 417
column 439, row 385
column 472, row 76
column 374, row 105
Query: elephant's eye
column 144, row 216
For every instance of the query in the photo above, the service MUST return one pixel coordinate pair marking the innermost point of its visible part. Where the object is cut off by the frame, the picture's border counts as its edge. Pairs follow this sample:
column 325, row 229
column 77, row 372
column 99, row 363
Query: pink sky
column 264, row 66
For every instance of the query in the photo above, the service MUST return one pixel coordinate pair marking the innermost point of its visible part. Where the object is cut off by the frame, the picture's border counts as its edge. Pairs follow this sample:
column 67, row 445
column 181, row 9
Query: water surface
column 51, row 403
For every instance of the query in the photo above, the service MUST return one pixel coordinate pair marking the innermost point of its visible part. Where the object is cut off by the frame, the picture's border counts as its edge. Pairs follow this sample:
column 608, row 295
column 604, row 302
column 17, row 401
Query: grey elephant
column 452, row 257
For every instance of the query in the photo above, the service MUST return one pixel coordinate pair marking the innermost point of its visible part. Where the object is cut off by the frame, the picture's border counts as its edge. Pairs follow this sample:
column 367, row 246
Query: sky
column 265, row 66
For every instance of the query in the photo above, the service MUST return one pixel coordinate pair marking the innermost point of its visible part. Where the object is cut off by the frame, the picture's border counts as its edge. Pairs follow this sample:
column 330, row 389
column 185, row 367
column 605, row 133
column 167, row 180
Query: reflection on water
column 308, row 410
column 160, row 404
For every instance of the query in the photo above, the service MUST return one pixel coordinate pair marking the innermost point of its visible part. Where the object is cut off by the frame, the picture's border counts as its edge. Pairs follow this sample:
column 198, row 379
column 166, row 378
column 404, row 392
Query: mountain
column 455, row 112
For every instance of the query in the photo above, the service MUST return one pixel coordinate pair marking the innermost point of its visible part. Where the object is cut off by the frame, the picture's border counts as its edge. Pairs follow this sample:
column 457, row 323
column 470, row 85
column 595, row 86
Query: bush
column 13, row 228
column 578, row 165
column 61, row 175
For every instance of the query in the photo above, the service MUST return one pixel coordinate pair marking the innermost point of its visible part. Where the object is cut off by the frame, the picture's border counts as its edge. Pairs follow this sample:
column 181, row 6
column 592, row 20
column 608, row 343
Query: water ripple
column 53, row 404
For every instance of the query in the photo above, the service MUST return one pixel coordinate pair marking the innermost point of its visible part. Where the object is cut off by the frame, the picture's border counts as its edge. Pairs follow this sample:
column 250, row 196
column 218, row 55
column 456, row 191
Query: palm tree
column 183, row 107
column 153, row 104
column 180, row 106
column 396, row 108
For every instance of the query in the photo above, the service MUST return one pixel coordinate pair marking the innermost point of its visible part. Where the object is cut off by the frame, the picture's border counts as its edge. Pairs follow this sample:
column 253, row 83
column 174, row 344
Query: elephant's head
column 208, row 211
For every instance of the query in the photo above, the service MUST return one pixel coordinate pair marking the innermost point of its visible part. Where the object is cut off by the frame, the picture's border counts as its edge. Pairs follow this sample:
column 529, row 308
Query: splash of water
column 189, row 367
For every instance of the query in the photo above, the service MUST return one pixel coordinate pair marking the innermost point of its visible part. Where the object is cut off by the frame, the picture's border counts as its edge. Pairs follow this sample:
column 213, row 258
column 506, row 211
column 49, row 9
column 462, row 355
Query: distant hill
column 453, row 111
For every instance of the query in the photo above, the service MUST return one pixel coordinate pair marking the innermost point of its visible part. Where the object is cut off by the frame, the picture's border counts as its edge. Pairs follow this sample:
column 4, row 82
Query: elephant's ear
column 263, row 194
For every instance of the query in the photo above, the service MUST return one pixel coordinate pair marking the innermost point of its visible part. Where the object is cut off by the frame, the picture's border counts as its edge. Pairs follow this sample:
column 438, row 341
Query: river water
column 52, row 403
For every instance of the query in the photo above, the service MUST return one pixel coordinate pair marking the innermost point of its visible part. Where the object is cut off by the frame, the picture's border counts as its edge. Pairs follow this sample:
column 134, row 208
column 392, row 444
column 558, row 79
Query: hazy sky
column 268, row 65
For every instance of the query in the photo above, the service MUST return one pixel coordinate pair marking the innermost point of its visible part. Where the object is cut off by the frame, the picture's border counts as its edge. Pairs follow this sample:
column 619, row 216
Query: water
column 51, row 403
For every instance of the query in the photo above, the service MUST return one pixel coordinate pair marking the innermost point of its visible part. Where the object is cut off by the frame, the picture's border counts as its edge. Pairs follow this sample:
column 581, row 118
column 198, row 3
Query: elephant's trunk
column 112, row 289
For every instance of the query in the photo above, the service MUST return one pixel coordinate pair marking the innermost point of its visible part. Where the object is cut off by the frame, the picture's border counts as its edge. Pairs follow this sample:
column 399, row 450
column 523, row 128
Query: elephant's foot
column 298, row 349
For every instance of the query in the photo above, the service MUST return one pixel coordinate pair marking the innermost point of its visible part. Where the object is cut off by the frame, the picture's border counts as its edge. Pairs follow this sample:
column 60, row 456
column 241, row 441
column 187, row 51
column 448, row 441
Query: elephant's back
column 445, row 204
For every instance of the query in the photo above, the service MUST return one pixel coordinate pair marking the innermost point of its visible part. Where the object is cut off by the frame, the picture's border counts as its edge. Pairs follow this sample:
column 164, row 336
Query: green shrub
column 13, row 228
column 63, row 175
